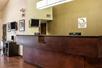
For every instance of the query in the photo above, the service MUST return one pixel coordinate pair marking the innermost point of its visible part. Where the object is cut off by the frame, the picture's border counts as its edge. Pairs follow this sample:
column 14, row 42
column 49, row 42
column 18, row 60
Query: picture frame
column 8, row 27
column 22, row 25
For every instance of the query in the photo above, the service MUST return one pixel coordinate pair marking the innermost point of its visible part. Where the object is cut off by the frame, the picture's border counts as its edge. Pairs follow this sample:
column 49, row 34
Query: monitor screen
column 13, row 25
column 34, row 23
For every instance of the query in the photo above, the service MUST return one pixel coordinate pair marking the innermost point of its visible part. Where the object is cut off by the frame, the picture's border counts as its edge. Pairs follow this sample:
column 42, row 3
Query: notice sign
column 82, row 22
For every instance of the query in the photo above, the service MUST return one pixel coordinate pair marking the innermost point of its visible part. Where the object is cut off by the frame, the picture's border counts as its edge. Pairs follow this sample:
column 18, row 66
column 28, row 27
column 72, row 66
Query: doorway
column 43, row 28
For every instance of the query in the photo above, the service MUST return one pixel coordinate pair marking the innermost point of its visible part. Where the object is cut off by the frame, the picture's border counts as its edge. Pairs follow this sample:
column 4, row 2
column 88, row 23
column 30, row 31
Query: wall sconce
column 22, row 10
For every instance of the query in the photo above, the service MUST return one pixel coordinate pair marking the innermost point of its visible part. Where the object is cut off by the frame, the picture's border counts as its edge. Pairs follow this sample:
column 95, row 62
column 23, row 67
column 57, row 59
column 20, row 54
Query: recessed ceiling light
column 46, row 4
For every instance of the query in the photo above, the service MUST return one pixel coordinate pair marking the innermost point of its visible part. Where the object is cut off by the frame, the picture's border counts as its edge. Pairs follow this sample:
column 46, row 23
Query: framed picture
column 22, row 25
column 8, row 27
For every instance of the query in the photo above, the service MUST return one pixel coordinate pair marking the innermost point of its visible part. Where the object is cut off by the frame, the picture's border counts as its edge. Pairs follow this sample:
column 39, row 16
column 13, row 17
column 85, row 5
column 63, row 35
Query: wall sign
column 82, row 22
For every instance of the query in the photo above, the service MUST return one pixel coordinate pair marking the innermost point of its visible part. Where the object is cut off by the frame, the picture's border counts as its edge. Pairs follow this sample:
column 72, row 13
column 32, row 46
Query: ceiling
column 3, row 4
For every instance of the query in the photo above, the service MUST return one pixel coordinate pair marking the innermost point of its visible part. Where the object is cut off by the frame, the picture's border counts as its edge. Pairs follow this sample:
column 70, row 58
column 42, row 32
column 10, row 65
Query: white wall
column 12, row 13
column 1, row 23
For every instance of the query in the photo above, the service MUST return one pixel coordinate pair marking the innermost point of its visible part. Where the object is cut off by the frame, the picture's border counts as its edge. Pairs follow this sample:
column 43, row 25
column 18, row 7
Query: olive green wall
column 66, row 15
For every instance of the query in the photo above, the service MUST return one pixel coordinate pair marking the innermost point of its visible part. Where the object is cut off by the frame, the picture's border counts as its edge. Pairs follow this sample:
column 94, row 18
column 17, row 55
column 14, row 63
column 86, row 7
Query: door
column 4, row 32
column 43, row 28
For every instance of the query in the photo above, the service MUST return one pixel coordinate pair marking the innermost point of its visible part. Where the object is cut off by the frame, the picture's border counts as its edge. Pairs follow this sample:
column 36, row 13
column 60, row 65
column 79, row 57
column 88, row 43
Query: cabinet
column 11, row 49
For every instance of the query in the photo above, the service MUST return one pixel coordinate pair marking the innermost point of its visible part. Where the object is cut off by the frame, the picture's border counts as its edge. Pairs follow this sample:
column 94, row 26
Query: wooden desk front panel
column 61, row 52
column 87, row 47
column 48, row 59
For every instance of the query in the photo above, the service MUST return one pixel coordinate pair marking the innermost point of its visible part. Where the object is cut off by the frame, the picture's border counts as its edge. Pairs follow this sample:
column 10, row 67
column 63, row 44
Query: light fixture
column 50, row 3
column 22, row 10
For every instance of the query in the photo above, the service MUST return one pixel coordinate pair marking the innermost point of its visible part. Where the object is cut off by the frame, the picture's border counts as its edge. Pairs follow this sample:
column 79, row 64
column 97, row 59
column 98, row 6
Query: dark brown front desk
column 62, row 51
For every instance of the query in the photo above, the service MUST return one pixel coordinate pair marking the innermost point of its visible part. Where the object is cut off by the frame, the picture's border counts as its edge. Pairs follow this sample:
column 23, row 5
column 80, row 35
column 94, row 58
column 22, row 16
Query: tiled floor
column 13, row 62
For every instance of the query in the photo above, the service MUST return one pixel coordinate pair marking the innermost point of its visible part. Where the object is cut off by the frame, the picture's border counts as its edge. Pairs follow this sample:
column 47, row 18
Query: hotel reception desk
column 62, row 51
